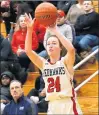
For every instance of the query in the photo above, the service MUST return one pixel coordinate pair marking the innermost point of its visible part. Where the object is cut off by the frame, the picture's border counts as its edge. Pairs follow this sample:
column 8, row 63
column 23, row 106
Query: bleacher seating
column 96, row 5
column 3, row 29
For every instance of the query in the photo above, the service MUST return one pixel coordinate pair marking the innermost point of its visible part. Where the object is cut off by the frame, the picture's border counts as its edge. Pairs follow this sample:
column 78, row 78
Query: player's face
column 53, row 46
column 22, row 22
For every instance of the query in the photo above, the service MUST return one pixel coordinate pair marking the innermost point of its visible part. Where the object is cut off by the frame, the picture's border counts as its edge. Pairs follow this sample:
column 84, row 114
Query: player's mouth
column 50, row 50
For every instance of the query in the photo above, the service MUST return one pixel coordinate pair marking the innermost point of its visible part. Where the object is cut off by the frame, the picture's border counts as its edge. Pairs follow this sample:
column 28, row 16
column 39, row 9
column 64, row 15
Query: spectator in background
column 23, row 8
column 8, row 14
column 9, row 61
column 64, row 26
column 20, row 105
column 37, row 95
column 38, row 28
column 87, row 29
column 5, row 96
column 75, row 11
column 18, row 7
column 18, row 42
column 65, row 5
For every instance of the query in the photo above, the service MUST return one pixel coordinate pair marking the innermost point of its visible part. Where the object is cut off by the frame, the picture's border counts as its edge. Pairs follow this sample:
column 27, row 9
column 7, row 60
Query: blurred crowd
column 77, row 21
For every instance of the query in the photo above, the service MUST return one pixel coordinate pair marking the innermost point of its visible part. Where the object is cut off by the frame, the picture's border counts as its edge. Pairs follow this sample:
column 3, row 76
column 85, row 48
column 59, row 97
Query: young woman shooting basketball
column 57, row 72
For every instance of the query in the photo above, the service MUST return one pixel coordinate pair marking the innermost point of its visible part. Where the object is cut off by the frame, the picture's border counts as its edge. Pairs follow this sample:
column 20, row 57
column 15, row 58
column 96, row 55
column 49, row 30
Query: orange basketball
column 46, row 13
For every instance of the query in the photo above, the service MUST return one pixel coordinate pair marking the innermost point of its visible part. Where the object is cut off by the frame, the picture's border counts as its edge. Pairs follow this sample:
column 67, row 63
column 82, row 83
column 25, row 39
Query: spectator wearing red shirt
column 40, row 32
column 18, row 41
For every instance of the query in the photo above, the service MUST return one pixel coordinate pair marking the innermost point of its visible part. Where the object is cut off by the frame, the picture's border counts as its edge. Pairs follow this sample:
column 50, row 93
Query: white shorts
column 67, row 106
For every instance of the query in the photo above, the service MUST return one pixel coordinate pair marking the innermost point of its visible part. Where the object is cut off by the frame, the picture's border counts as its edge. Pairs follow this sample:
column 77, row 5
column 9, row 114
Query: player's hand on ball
column 52, row 28
column 29, row 21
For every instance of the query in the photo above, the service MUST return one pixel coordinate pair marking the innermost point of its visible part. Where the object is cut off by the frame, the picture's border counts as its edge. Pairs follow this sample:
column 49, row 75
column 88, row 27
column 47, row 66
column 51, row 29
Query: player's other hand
column 29, row 21
column 52, row 28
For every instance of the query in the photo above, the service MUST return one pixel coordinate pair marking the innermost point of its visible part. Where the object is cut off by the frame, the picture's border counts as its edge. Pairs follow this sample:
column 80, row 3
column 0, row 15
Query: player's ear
column 61, row 48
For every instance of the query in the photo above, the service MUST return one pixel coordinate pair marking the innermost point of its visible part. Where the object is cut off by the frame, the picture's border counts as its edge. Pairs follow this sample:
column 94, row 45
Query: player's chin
column 50, row 53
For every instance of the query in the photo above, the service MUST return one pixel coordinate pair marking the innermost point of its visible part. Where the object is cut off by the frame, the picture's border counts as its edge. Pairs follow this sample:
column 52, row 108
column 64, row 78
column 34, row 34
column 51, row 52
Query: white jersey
column 57, row 80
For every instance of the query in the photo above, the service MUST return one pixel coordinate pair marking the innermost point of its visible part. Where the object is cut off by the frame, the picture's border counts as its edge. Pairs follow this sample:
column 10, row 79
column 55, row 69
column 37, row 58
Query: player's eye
column 54, row 43
column 48, row 44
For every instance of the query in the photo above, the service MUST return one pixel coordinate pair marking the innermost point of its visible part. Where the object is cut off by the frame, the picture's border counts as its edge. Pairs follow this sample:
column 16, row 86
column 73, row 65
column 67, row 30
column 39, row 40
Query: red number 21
column 53, row 84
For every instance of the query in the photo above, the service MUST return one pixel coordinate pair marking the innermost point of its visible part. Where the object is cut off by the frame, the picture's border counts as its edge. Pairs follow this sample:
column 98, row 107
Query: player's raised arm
column 34, row 57
column 70, row 56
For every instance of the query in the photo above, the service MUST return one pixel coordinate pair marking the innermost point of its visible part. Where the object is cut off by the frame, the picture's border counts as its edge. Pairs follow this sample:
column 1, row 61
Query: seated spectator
column 18, row 42
column 9, row 61
column 25, row 7
column 19, row 7
column 38, row 29
column 37, row 95
column 8, row 14
column 87, row 29
column 75, row 11
column 5, row 96
column 20, row 105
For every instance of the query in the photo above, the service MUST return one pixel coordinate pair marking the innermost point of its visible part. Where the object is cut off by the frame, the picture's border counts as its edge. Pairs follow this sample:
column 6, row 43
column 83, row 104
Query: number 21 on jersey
column 53, row 84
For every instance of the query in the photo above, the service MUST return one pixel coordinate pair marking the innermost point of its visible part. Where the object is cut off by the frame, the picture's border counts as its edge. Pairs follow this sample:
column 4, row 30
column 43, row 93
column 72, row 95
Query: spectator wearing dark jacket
column 5, row 96
column 20, row 105
column 87, row 29
column 9, row 61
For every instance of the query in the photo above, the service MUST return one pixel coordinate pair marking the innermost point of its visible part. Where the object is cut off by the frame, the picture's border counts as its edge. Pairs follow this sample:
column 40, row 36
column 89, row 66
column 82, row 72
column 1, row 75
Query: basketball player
column 57, row 72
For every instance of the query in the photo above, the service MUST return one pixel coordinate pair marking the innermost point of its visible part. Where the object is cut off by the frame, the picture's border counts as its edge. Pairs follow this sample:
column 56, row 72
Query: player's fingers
column 26, row 15
column 30, row 16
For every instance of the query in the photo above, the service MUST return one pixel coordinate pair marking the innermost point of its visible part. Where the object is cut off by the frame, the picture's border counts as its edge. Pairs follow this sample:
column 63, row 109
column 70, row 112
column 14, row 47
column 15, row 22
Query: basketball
column 46, row 13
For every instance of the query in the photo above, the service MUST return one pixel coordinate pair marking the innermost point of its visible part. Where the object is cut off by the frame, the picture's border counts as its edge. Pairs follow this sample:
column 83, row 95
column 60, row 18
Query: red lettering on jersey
column 53, row 84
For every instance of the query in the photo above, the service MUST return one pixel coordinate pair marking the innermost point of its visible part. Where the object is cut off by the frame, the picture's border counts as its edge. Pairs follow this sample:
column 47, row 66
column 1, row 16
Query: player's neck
column 54, row 59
